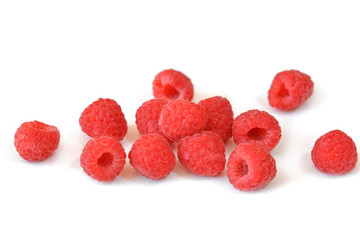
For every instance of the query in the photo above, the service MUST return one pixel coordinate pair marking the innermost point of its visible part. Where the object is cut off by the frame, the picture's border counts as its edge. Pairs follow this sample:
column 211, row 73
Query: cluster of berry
column 200, row 131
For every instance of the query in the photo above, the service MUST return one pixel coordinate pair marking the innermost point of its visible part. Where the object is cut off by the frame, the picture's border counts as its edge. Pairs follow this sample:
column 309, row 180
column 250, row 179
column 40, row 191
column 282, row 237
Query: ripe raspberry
column 257, row 127
column 220, row 116
column 152, row 156
column 290, row 89
column 147, row 116
column 103, row 158
column 250, row 167
column 334, row 153
column 35, row 141
column 203, row 153
column 103, row 118
column 171, row 85
column 181, row 118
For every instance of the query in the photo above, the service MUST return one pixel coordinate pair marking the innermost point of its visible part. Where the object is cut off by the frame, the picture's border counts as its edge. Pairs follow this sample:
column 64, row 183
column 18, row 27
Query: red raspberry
column 220, row 116
column 152, row 156
column 250, row 167
column 257, row 127
column 103, row 118
column 203, row 153
column 103, row 158
column 181, row 118
column 171, row 85
column 334, row 153
column 35, row 141
column 290, row 89
column 148, row 114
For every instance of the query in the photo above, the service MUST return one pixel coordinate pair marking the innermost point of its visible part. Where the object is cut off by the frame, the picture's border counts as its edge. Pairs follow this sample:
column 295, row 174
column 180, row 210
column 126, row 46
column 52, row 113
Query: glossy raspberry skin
column 104, row 117
column 250, row 167
column 203, row 153
column 290, row 89
column 257, row 127
column 171, row 85
column 36, row 141
column 334, row 153
column 152, row 156
column 147, row 116
column 220, row 116
column 103, row 158
column 181, row 118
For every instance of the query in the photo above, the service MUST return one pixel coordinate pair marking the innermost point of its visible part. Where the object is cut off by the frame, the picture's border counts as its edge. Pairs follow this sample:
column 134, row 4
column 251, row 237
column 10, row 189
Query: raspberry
column 334, row 153
column 220, row 116
column 152, row 156
column 203, row 153
column 257, row 127
column 103, row 158
column 250, row 167
column 290, row 89
column 35, row 141
column 171, row 85
column 103, row 118
column 147, row 116
column 181, row 118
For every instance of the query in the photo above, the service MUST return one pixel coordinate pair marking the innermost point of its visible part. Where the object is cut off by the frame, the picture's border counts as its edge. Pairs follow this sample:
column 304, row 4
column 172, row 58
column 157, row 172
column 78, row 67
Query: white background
column 56, row 57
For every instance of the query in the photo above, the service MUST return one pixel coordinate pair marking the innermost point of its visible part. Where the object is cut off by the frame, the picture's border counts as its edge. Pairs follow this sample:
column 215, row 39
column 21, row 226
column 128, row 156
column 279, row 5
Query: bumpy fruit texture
column 104, row 117
column 181, row 118
column 171, row 85
column 147, row 116
column 103, row 158
column 290, row 89
column 257, row 127
column 250, row 167
column 36, row 141
column 334, row 153
column 203, row 153
column 220, row 116
column 152, row 156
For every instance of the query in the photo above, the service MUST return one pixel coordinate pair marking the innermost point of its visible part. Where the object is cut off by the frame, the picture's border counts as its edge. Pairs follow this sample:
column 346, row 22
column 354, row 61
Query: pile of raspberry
column 198, row 131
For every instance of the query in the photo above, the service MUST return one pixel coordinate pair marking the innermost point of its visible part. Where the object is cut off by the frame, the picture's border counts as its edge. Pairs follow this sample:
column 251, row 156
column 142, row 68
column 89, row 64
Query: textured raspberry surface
column 35, row 141
column 220, row 116
column 147, row 116
column 103, row 158
column 257, row 127
column 203, row 153
column 104, row 117
column 334, row 153
column 171, row 85
column 250, row 167
column 290, row 89
column 181, row 118
column 152, row 156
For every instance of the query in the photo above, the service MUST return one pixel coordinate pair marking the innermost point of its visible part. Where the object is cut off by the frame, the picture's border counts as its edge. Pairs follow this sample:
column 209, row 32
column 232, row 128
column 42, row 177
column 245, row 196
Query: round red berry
column 290, row 89
column 250, row 167
column 171, row 85
column 152, row 156
column 203, row 153
column 334, row 153
column 103, row 158
column 220, row 116
column 181, row 118
column 147, row 116
column 104, row 117
column 257, row 127
column 36, row 141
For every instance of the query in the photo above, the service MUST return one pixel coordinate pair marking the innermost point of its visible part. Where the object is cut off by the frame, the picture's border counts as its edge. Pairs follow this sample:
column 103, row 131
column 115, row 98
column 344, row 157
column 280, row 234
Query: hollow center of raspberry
column 283, row 92
column 243, row 168
column 171, row 92
column 257, row 134
column 105, row 160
